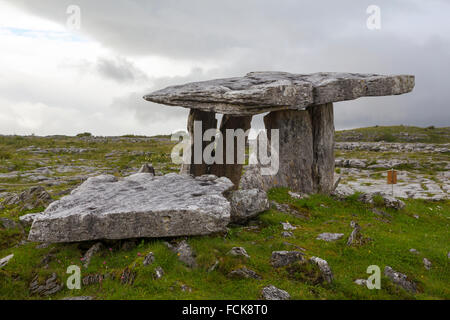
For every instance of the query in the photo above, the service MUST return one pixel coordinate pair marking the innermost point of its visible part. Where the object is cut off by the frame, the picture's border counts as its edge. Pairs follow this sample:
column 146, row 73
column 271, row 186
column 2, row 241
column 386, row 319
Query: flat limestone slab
column 259, row 92
column 140, row 205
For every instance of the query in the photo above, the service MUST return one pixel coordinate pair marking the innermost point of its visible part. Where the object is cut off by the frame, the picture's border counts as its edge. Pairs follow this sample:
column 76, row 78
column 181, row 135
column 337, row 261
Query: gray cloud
column 296, row 36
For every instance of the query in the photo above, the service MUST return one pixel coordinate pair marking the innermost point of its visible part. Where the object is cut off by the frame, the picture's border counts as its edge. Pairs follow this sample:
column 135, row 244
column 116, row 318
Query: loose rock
column 273, row 293
column 427, row 263
column 284, row 258
column 4, row 261
column 149, row 259
column 140, row 205
column 324, row 268
column 330, row 236
column 244, row 273
column 400, row 279
column 159, row 273
column 185, row 253
column 247, row 204
column 287, row 226
column 93, row 250
column 238, row 252
column 49, row 287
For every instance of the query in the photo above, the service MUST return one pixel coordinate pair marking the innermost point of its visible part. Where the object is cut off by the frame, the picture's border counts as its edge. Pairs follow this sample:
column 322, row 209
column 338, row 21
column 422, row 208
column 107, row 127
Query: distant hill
column 395, row 134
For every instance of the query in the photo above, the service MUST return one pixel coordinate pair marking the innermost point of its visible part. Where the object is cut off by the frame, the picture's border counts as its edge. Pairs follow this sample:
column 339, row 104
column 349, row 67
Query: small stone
column 287, row 226
column 244, row 273
column 4, row 261
column 214, row 266
column 185, row 253
column 284, row 258
column 238, row 252
column 149, row 259
column 128, row 276
column 128, row 245
column 185, row 288
column 159, row 273
column 412, row 250
column 91, row 252
column 287, row 234
column 297, row 195
column 416, row 216
column 330, row 236
column 400, row 279
column 49, row 287
column 356, row 236
column 147, row 168
column 324, row 268
column 361, row 282
column 427, row 263
column 273, row 293
column 247, row 204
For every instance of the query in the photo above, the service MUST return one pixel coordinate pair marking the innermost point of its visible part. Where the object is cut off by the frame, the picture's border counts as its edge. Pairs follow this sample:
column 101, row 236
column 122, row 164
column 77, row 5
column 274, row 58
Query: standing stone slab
column 296, row 149
column 322, row 119
column 140, row 205
column 232, row 169
column 208, row 121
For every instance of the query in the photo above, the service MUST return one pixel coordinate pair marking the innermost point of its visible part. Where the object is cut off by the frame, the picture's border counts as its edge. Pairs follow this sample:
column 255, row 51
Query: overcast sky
column 55, row 80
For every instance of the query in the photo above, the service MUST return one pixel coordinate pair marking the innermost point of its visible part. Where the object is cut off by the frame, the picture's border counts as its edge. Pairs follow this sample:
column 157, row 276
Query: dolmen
column 300, row 106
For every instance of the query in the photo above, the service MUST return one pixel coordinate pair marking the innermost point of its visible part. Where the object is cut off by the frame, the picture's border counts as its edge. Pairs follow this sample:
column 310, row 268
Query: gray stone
column 90, row 253
column 185, row 253
column 238, row 252
column 149, row 259
column 247, row 204
column 147, row 168
column 287, row 226
column 259, row 92
column 191, row 165
column 361, row 282
column 330, row 236
column 232, row 171
column 30, row 199
column 140, row 205
column 427, row 263
column 414, row 251
column 273, row 293
column 400, row 279
column 4, row 261
column 287, row 234
column 244, row 273
column 356, row 236
column 49, row 287
column 324, row 268
column 27, row 219
column 159, row 273
column 284, row 258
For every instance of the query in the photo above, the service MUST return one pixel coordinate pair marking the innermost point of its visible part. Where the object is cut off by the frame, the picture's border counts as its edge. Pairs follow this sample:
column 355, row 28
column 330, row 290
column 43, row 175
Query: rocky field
column 302, row 247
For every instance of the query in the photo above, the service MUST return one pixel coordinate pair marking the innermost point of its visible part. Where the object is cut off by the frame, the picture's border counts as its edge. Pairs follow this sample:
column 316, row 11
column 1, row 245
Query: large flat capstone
column 259, row 92
column 140, row 205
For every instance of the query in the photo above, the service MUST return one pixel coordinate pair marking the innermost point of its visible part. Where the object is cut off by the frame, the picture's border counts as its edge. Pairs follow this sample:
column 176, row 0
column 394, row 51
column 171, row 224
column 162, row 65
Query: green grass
column 396, row 134
column 389, row 246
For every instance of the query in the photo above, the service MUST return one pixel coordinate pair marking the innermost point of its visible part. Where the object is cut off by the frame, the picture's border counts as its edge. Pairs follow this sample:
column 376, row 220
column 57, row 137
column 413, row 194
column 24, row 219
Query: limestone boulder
column 247, row 204
column 141, row 205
